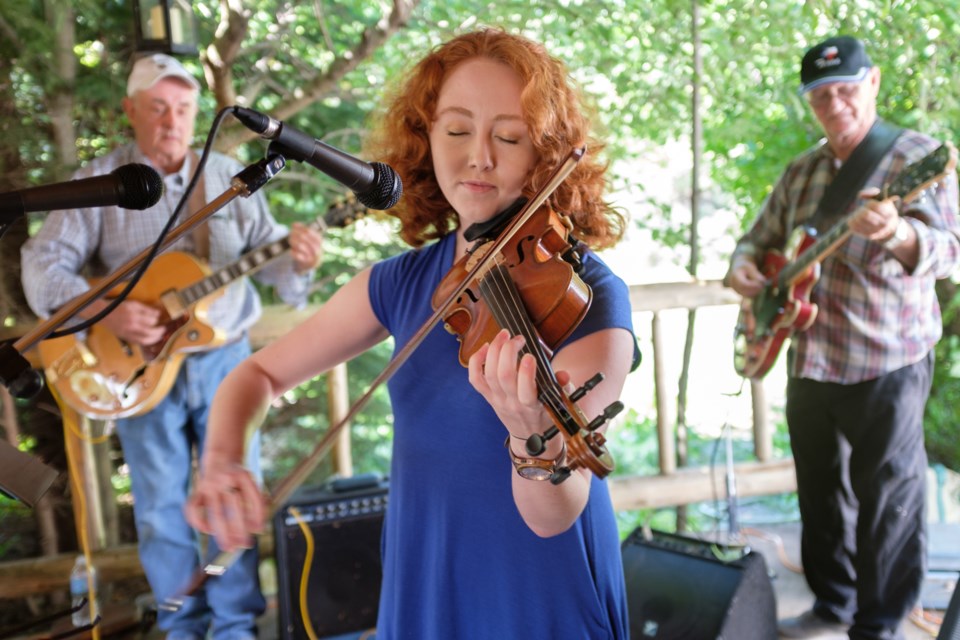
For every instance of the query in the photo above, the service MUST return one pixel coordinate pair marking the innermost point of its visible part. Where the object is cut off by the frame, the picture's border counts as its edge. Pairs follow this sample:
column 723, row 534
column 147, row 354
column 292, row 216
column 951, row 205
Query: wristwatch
column 899, row 236
column 536, row 468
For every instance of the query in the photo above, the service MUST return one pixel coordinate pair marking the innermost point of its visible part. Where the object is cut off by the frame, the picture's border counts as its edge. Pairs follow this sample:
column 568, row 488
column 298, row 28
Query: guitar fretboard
column 246, row 265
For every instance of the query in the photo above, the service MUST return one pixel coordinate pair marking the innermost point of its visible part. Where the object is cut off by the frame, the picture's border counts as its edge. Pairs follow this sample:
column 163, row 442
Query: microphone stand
column 731, row 485
column 15, row 369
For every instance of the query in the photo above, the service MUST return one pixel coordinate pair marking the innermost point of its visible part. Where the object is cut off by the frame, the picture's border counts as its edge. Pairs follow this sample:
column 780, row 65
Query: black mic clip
column 16, row 374
column 254, row 176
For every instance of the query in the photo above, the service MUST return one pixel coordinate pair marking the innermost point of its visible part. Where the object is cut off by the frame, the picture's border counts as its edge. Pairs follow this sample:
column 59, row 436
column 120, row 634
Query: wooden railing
column 672, row 486
column 677, row 486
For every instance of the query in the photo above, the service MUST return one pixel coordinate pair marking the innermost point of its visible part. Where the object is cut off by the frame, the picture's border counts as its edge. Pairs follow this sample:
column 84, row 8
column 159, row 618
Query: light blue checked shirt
column 76, row 244
column 874, row 316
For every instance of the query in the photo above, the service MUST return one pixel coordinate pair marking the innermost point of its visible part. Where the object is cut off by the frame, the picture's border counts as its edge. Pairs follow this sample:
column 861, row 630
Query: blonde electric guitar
column 104, row 377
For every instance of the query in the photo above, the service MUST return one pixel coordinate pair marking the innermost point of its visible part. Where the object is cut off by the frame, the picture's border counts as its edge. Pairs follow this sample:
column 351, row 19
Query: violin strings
column 507, row 308
column 503, row 299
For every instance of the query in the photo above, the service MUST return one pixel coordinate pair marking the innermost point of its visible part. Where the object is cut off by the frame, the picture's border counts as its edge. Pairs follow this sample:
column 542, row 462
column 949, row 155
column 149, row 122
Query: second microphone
column 376, row 184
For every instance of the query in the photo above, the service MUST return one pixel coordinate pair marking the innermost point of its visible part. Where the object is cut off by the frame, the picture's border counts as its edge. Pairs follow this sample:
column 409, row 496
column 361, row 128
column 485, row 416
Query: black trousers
column 861, row 483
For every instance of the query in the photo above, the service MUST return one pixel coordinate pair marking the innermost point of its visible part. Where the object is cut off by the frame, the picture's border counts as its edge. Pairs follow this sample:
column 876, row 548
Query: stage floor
column 779, row 545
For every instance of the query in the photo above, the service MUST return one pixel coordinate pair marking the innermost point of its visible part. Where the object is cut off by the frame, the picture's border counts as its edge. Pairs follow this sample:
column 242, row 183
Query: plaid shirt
column 97, row 241
column 874, row 315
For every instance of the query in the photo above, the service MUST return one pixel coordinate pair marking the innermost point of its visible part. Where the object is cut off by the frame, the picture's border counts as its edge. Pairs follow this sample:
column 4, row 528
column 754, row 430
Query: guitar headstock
column 925, row 172
column 342, row 213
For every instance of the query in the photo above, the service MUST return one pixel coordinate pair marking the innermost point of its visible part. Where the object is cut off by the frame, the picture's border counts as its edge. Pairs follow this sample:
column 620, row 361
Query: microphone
column 376, row 184
column 132, row 186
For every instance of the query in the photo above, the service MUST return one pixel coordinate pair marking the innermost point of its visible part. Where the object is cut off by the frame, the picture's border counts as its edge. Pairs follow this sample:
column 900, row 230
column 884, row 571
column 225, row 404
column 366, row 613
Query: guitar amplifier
column 344, row 519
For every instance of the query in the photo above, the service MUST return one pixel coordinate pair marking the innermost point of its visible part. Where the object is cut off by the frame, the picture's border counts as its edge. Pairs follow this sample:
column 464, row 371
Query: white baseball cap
column 147, row 71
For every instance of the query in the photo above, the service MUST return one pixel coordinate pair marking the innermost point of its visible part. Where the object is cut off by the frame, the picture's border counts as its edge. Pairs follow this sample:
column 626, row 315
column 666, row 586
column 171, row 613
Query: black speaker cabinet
column 678, row 589
column 344, row 518
column 950, row 628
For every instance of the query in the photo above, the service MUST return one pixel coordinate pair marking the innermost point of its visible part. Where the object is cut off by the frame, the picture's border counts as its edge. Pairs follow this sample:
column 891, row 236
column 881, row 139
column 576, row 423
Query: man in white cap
column 859, row 377
column 158, row 446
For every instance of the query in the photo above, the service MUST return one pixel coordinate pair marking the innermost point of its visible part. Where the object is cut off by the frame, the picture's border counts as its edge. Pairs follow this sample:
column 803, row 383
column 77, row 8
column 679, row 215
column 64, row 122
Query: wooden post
column 668, row 449
column 339, row 404
column 762, row 434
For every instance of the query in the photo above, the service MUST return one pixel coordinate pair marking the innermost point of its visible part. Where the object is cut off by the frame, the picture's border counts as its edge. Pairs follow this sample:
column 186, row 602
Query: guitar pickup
column 173, row 304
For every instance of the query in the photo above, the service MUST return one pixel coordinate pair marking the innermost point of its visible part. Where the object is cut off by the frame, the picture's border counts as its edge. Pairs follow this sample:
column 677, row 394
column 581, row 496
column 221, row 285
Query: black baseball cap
column 838, row 59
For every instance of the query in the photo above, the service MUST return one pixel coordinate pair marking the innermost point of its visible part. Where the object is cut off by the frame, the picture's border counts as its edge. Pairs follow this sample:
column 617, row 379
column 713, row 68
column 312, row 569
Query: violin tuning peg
column 612, row 409
column 587, row 386
column 537, row 443
column 559, row 475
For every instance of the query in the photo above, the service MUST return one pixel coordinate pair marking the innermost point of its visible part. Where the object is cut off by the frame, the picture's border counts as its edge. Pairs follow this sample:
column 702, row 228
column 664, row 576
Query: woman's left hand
column 508, row 385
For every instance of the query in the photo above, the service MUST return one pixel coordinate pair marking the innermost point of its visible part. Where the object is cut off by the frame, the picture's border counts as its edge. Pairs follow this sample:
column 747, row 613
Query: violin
column 529, row 286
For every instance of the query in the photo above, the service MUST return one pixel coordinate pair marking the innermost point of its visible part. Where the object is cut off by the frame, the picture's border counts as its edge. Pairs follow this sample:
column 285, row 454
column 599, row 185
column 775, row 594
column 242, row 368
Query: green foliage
column 635, row 58
column 941, row 429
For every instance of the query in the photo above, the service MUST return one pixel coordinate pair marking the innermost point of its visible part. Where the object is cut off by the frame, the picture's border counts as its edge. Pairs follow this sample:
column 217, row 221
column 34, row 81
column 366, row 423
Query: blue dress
column 458, row 560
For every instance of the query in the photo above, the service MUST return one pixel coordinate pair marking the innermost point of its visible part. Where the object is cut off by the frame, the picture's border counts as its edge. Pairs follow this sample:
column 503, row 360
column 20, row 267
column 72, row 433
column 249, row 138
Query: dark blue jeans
column 861, row 476
column 158, row 448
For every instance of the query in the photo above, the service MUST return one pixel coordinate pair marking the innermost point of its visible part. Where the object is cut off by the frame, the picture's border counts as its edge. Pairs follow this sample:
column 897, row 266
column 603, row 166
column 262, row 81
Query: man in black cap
column 859, row 377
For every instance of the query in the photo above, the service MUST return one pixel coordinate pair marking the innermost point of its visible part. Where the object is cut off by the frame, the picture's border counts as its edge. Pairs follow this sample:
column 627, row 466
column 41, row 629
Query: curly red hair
column 551, row 107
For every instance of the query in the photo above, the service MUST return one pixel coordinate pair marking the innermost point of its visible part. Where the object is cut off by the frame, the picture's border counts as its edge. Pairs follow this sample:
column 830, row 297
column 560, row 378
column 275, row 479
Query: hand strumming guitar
column 746, row 278
column 132, row 321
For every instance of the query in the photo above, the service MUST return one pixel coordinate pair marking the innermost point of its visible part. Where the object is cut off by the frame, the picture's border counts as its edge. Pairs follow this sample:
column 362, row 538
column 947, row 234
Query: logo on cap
column 829, row 58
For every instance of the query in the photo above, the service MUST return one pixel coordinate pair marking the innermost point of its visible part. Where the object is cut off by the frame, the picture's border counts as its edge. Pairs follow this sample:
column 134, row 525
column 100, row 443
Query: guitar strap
column 853, row 173
column 198, row 199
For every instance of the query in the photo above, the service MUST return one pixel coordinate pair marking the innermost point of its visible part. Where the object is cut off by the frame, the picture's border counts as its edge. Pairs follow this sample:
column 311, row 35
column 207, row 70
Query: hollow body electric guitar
column 783, row 307
column 104, row 377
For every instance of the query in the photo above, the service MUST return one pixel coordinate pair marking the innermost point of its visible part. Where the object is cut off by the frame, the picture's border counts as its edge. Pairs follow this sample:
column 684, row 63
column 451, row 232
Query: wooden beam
column 699, row 484
column 276, row 320
column 50, row 573
column 681, row 295
column 21, row 578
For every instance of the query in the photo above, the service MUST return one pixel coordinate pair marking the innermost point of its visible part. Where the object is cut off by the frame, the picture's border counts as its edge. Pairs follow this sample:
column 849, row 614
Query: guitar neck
column 907, row 186
column 821, row 248
column 338, row 215
column 246, row 265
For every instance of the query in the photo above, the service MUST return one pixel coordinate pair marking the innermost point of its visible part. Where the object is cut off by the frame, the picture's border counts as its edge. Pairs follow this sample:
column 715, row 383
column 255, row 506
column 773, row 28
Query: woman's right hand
column 228, row 504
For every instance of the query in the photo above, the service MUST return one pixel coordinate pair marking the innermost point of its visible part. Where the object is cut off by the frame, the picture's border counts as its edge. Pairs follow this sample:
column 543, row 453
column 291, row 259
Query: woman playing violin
column 471, row 548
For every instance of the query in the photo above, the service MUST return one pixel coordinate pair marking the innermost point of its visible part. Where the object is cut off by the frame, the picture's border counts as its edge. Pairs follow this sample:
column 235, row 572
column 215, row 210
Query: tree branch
column 372, row 38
